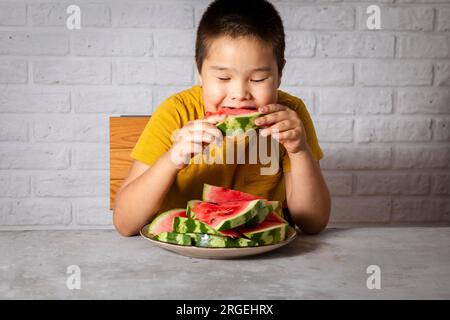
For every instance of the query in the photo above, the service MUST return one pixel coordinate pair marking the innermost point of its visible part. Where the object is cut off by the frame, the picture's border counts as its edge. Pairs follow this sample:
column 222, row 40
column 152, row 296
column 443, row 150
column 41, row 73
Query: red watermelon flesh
column 230, row 111
column 220, row 195
column 164, row 221
column 273, row 217
column 223, row 216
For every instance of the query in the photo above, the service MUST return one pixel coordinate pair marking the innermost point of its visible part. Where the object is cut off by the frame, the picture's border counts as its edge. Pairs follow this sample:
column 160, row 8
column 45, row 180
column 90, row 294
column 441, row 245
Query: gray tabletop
column 337, row 264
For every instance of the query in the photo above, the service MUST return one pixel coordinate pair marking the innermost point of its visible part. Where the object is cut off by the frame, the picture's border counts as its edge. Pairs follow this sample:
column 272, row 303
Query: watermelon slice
column 175, row 238
column 164, row 221
column 213, row 241
column 218, row 194
column 224, row 216
column 237, row 121
column 187, row 225
column 267, row 232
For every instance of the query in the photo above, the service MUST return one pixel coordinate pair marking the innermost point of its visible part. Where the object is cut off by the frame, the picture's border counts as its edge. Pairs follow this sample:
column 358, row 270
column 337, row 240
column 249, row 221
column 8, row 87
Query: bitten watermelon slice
column 237, row 121
column 224, row 216
column 164, row 221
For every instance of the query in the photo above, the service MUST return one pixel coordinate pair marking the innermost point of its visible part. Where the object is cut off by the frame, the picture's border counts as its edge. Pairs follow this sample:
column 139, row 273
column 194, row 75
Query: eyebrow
column 253, row 70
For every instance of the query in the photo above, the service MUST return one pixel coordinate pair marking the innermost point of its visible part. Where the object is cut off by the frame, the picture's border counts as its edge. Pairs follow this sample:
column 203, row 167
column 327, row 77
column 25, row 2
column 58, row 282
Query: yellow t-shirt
column 186, row 106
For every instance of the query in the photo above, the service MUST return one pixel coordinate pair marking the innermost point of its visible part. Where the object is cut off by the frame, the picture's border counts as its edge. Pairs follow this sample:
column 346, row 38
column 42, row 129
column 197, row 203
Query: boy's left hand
column 291, row 132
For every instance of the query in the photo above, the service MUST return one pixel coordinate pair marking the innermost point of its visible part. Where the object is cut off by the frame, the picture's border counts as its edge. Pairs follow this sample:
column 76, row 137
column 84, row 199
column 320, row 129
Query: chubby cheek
column 265, row 95
column 213, row 95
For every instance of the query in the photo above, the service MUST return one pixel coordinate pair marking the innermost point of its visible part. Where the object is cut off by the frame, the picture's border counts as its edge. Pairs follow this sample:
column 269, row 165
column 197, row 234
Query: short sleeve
column 156, row 138
column 311, row 136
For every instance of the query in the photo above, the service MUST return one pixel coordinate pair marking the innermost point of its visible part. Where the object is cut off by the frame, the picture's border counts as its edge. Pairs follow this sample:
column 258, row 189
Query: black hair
column 238, row 18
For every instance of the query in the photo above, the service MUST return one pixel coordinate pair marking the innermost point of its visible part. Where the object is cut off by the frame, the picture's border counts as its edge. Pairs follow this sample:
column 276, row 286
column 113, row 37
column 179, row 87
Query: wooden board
column 123, row 135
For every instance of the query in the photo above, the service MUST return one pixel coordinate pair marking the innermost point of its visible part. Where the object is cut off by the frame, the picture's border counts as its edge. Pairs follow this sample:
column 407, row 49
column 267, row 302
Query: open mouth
column 253, row 108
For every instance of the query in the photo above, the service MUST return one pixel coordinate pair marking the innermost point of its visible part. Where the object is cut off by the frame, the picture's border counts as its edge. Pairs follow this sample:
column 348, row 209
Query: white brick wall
column 380, row 101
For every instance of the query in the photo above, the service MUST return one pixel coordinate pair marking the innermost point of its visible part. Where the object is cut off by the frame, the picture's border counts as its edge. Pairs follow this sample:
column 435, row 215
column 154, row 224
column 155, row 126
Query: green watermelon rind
column 237, row 220
column 237, row 124
column 214, row 241
column 268, row 236
column 188, row 225
column 204, row 240
column 160, row 217
column 260, row 216
column 174, row 238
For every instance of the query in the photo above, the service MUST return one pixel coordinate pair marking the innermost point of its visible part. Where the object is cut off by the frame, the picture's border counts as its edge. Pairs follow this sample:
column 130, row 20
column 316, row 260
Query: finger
column 204, row 127
column 199, row 137
column 214, row 119
column 272, row 118
column 274, row 107
column 285, row 135
column 281, row 126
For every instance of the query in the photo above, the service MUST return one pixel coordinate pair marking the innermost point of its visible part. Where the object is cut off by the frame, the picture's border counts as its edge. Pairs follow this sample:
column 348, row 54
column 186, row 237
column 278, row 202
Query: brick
column 354, row 101
column 443, row 19
column 424, row 101
column 417, row 210
column 317, row 73
column 26, row 100
column 14, row 185
column 339, row 184
column 441, row 184
column 350, row 158
column 394, row 73
column 13, row 130
column 73, row 128
column 334, row 130
column 317, row 18
column 113, row 44
column 299, row 44
column 118, row 100
column 72, row 72
column 153, row 15
column 355, row 45
column 424, row 46
column 92, row 212
column 434, row 157
column 442, row 130
column 34, row 157
column 178, row 43
column 72, row 184
column 54, row 15
column 13, row 71
column 392, row 184
column 13, row 14
column 33, row 43
column 390, row 130
column 442, row 74
column 400, row 18
column 38, row 212
column 166, row 71
column 90, row 156
column 376, row 210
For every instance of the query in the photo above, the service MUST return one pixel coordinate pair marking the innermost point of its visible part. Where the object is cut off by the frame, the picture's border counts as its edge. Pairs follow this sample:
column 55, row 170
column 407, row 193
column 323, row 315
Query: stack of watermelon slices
column 224, row 218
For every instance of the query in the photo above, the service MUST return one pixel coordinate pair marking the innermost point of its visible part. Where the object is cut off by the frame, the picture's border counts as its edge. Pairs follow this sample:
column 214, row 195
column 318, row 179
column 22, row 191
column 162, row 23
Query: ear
column 280, row 73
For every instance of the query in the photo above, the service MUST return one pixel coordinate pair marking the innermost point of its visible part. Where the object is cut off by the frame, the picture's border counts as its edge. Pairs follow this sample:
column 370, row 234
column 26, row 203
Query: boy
column 240, row 57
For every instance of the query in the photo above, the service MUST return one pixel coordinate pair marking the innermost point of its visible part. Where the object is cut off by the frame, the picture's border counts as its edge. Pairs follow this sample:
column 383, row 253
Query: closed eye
column 259, row 80
column 224, row 79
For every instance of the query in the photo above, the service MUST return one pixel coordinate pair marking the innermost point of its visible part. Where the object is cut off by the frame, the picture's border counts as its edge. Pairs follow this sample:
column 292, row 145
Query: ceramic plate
column 217, row 253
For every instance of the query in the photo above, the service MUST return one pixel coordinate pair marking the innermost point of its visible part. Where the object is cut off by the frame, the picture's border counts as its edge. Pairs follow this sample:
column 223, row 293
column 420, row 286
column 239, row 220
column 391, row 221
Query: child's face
column 229, row 77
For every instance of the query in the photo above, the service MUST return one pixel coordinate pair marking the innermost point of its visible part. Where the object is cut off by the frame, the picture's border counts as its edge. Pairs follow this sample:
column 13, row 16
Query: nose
column 240, row 92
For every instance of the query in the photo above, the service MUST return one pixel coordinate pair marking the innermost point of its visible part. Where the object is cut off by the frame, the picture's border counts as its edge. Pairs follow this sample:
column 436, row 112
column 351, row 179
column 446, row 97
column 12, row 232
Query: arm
column 140, row 197
column 307, row 194
column 145, row 188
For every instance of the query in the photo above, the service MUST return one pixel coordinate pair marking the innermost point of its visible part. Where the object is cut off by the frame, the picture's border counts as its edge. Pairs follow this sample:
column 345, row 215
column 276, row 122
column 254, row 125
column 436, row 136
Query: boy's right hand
column 192, row 138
